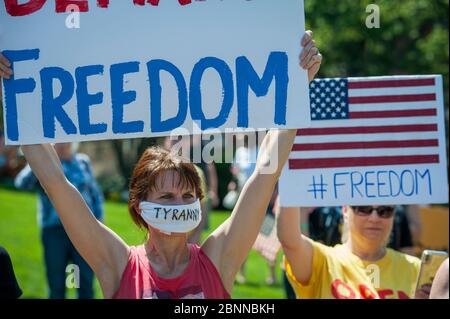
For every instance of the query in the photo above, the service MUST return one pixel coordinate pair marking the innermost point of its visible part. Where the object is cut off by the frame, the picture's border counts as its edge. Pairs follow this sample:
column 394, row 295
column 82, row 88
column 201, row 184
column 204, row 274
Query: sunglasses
column 382, row 211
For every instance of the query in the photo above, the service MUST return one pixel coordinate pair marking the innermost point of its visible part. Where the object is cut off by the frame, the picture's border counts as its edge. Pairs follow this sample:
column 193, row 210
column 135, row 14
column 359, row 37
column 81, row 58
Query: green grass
column 19, row 234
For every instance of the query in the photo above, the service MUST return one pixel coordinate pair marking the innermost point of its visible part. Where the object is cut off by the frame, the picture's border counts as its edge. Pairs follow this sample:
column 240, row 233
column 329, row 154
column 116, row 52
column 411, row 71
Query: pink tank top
column 200, row 279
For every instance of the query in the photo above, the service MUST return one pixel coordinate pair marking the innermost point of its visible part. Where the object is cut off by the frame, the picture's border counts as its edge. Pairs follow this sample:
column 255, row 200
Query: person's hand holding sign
column 5, row 70
column 310, row 58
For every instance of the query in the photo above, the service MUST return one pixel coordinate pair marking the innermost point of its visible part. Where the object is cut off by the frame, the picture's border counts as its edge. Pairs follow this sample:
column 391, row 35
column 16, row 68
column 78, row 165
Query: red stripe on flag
column 390, row 83
column 396, row 113
column 364, row 145
column 392, row 98
column 368, row 129
column 312, row 163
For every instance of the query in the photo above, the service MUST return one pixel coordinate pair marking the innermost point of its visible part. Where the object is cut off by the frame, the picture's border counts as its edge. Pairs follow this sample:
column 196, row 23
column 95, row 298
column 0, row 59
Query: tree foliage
column 413, row 37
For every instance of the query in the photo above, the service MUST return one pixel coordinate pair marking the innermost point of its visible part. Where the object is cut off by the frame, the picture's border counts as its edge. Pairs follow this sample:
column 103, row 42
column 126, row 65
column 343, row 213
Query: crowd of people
column 341, row 252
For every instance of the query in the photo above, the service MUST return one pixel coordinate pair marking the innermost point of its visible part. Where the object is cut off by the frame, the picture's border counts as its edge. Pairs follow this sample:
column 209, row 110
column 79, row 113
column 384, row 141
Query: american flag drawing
column 369, row 122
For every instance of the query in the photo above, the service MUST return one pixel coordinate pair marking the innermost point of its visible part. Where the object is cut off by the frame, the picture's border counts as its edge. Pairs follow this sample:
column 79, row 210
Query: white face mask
column 172, row 218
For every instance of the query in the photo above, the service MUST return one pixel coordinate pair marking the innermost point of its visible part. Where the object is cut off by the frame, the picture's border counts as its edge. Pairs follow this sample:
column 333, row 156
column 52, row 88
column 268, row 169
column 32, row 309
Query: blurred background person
column 401, row 236
column 10, row 162
column 267, row 243
column 244, row 163
column 3, row 158
column 58, row 250
column 319, row 271
column 325, row 225
column 413, row 216
column 9, row 287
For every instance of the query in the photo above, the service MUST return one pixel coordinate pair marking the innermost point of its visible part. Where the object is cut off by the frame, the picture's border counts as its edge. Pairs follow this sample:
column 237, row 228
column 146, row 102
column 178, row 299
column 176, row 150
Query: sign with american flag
column 373, row 140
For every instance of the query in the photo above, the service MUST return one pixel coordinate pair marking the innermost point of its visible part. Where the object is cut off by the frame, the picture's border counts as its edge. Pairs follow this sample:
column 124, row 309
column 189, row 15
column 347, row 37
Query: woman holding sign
column 362, row 267
column 164, row 199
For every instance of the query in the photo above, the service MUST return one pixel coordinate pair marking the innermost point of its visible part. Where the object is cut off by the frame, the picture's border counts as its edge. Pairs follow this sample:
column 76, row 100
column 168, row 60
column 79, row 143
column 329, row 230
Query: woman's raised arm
column 297, row 249
column 229, row 245
column 103, row 250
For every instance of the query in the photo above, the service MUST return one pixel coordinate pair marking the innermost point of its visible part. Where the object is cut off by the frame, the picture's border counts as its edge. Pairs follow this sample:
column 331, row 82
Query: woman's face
column 367, row 225
column 169, row 192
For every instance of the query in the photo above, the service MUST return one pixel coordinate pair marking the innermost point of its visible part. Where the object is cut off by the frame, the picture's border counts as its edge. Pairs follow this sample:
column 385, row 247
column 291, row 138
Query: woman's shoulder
column 201, row 256
column 136, row 258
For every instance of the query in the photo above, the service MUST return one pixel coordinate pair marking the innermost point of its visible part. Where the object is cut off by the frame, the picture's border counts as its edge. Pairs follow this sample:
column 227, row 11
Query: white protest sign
column 375, row 140
column 144, row 68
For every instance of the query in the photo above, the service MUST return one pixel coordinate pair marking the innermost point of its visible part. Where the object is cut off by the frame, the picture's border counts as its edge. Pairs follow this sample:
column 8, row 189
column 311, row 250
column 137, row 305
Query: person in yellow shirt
column 360, row 268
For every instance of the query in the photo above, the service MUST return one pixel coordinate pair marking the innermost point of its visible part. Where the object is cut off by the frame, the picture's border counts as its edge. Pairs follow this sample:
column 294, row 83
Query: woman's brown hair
column 154, row 163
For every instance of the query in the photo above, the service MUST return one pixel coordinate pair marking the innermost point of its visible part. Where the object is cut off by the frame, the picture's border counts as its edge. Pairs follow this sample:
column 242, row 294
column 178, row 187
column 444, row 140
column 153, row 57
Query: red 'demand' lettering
column 13, row 8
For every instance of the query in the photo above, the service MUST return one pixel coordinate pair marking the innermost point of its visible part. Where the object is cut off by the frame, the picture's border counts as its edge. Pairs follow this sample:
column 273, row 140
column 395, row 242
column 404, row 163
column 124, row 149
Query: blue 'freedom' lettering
column 53, row 104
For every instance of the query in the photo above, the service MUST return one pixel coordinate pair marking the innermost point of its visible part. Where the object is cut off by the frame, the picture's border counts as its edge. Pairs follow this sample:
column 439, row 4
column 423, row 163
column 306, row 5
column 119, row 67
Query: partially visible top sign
column 377, row 140
column 144, row 68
